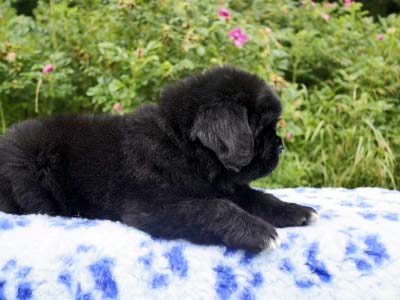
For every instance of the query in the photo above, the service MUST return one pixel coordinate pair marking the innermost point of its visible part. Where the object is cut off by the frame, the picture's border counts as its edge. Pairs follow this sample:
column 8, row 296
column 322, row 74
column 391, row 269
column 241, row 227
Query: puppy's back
column 73, row 157
column 63, row 134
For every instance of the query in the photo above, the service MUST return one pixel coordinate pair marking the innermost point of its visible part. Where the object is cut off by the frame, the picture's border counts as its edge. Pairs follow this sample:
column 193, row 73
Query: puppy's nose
column 280, row 149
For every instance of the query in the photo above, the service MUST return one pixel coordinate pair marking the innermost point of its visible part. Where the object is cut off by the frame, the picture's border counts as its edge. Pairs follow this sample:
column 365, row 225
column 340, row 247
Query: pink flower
column 313, row 4
column 238, row 36
column 117, row 107
column 325, row 17
column 329, row 4
column 48, row 68
column 347, row 3
column 223, row 12
column 380, row 36
column 289, row 135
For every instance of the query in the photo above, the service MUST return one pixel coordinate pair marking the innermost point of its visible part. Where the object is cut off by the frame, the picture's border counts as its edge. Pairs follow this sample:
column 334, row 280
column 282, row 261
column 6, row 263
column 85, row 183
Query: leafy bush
column 336, row 70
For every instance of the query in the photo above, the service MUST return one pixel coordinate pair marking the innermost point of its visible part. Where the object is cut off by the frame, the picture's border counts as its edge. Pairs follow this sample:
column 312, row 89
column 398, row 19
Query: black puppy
column 179, row 169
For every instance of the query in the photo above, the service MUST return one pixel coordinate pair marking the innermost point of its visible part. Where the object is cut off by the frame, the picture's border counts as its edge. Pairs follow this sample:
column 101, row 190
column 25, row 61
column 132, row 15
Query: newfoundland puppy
column 177, row 169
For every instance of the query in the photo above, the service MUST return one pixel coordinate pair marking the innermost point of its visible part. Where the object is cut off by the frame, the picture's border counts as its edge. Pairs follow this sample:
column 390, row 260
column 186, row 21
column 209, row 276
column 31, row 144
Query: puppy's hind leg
column 203, row 221
column 34, row 186
column 7, row 201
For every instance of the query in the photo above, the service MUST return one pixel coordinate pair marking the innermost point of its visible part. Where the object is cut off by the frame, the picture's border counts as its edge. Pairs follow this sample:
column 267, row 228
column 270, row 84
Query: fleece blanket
column 351, row 252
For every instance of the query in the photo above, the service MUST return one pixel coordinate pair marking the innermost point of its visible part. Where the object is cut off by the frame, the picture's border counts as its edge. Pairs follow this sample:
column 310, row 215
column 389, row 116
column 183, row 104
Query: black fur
column 177, row 169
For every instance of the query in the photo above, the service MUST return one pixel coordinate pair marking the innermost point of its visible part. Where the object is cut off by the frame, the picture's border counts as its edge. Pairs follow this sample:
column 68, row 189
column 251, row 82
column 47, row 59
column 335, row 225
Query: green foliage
column 338, row 78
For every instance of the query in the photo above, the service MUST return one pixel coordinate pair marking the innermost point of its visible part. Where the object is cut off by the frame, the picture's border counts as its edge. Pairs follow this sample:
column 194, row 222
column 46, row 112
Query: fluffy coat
column 177, row 169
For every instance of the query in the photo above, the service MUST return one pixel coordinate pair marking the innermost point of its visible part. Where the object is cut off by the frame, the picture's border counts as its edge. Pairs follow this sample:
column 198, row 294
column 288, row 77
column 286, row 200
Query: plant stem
column 3, row 120
column 39, row 84
column 52, row 28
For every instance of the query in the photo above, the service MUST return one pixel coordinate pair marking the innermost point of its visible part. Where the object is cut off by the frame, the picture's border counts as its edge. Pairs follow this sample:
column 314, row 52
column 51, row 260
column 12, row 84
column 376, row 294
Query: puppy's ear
column 225, row 130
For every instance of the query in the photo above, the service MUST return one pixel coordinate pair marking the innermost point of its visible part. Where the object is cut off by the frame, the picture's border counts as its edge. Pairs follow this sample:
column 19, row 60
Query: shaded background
column 373, row 7
column 336, row 66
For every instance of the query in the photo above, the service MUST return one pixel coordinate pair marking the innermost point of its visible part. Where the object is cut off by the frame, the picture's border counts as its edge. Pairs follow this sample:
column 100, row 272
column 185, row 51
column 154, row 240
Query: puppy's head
column 232, row 113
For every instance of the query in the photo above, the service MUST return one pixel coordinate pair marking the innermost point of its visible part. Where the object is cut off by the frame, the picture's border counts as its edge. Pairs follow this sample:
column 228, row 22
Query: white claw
column 275, row 243
column 314, row 217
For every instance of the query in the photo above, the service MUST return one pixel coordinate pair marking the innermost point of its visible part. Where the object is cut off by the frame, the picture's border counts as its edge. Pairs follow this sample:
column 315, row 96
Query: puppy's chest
column 225, row 187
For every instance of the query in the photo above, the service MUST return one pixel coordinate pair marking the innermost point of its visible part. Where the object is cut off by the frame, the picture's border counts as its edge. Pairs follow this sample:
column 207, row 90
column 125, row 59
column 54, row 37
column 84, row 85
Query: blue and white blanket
column 351, row 252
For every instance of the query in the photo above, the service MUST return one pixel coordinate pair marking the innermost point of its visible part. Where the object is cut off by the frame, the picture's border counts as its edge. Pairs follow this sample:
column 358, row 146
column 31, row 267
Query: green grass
column 339, row 79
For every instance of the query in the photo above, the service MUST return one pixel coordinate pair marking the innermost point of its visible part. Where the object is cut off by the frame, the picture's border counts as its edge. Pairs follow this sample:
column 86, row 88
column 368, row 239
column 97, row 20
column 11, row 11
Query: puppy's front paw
column 292, row 214
column 255, row 236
